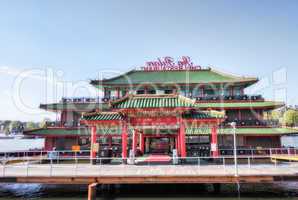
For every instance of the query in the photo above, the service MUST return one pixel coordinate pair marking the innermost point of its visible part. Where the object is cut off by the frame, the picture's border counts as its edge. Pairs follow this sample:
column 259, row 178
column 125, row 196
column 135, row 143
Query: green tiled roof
column 189, row 131
column 242, row 131
column 203, row 115
column 84, row 107
column 269, row 104
column 164, row 77
column 74, row 131
column 104, row 106
column 103, row 116
column 153, row 101
column 59, row 132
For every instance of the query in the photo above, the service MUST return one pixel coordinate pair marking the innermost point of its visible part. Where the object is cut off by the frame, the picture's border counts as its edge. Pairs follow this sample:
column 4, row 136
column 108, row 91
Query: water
column 291, row 141
column 20, row 144
column 140, row 192
column 150, row 192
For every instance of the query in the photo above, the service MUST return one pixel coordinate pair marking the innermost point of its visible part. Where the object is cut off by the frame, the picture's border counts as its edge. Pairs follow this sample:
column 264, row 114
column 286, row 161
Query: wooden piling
column 92, row 191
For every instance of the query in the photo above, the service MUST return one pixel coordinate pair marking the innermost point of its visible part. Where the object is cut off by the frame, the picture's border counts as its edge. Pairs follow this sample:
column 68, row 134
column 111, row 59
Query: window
column 151, row 92
column 140, row 91
column 168, row 91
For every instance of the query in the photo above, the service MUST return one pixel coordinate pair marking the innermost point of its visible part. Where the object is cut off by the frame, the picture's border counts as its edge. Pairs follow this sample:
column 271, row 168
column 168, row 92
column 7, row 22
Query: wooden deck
column 131, row 174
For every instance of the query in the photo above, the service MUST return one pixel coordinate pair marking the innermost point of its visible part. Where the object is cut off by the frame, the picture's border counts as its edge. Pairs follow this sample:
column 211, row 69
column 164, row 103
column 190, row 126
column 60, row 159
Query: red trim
column 154, row 121
column 99, row 122
column 136, row 110
column 238, row 82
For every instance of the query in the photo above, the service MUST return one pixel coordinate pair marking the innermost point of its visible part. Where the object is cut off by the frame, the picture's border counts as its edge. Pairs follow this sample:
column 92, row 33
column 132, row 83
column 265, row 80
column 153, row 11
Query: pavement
column 85, row 170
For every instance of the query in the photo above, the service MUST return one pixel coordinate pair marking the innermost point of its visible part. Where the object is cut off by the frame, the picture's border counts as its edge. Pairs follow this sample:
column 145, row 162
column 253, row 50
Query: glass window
column 168, row 91
column 140, row 91
column 209, row 92
column 151, row 92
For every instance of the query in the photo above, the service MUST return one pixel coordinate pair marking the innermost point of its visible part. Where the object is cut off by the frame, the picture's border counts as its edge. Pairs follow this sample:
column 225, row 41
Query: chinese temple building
column 162, row 107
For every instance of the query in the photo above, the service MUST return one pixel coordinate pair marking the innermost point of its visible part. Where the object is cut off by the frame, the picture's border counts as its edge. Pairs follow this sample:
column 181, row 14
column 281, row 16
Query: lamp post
column 233, row 125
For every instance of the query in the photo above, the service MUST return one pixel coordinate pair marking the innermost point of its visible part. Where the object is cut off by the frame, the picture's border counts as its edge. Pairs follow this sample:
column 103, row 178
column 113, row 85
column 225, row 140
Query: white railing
column 78, row 166
column 86, row 153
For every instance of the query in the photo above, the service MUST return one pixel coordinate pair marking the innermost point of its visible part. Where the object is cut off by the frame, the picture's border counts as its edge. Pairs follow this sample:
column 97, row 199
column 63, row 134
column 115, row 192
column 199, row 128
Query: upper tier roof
column 205, row 76
column 153, row 101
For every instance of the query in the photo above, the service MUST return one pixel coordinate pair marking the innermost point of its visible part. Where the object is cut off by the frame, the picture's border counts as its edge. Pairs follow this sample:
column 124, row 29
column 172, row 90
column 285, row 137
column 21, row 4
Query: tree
column 43, row 123
column 290, row 118
column 31, row 125
column 15, row 126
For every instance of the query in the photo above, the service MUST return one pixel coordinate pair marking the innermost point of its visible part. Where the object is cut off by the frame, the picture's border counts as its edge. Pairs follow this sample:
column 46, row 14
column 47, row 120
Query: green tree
column 290, row 118
column 15, row 126
column 42, row 124
column 31, row 125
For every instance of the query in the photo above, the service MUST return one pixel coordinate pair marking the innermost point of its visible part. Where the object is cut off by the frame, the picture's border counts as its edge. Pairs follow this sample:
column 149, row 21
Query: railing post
column 3, row 172
column 289, row 151
column 27, row 167
column 41, row 157
column 248, row 161
column 252, row 153
column 76, row 167
column 199, row 162
column 224, row 163
column 270, row 152
column 76, row 159
column 51, row 169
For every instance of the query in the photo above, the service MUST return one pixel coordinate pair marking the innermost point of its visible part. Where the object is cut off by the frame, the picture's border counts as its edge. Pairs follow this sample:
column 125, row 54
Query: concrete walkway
column 87, row 170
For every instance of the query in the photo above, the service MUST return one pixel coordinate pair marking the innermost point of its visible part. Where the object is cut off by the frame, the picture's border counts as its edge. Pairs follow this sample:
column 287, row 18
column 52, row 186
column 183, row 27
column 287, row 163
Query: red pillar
column 182, row 139
column 214, row 145
column 178, row 143
column 142, row 142
column 134, row 141
column 110, row 141
column 93, row 142
column 124, row 141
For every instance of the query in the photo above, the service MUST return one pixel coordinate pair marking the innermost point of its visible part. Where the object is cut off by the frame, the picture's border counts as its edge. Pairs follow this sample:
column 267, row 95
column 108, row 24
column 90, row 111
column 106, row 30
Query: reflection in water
column 148, row 192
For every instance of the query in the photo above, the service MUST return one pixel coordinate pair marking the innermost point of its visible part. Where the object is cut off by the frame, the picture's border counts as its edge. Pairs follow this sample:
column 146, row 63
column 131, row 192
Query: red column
column 214, row 145
column 134, row 141
column 124, row 141
column 178, row 142
column 110, row 141
column 93, row 142
column 182, row 139
column 142, row 142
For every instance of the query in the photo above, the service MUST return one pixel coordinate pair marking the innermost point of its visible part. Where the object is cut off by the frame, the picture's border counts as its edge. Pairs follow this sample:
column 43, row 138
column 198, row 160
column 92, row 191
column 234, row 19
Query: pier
column 65, row 169
column 131, row 174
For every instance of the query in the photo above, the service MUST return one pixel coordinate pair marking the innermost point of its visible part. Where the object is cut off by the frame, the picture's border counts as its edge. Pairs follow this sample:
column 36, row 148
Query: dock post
column 92, row 191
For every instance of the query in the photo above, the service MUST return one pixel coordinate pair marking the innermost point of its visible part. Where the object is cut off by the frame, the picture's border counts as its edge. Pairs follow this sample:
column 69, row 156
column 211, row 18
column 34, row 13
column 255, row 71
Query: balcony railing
column 230, row 98
column 64, row 125
column 254, row 122
column 81, row 100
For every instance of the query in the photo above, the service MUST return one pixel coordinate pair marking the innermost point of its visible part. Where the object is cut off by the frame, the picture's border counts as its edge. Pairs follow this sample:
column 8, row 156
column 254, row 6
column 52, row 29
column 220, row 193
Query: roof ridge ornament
column 169, row 64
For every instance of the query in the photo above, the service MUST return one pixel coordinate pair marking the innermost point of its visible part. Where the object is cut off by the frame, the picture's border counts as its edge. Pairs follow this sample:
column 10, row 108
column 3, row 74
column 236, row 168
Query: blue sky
column 77, row 39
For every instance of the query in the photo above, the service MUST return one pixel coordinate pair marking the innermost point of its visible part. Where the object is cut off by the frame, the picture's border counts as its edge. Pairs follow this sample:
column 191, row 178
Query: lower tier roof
column 189, row 131
column 87, row 107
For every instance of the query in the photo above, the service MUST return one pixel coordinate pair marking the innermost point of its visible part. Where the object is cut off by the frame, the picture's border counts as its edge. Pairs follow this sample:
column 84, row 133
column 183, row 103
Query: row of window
column 187, row 93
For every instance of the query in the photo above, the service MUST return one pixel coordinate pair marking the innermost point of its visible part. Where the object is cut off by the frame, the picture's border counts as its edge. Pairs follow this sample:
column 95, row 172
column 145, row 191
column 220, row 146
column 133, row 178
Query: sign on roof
column 168, row 63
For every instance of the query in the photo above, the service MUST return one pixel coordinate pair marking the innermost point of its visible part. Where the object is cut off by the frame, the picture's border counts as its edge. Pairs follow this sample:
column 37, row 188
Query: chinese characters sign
column 168, row 63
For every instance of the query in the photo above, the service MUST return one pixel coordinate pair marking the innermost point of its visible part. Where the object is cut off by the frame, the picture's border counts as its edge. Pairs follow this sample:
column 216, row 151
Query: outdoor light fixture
column 233, row 125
